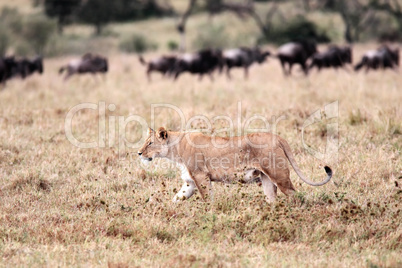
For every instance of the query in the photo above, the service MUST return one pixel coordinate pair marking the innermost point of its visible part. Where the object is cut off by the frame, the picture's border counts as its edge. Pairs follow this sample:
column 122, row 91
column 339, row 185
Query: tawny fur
column 207, row 159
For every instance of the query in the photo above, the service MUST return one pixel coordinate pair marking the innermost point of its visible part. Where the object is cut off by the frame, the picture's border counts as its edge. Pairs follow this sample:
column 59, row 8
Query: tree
column 356, row 15
column 129, row 10
column 98, row 12
column 101, row 12
column 241, row 9
column 392, row 7
column 62, row 10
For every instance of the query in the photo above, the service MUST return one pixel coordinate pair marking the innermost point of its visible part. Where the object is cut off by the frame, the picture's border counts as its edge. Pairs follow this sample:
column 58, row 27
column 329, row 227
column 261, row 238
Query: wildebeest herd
column 11, row 67
column 206, row 61
column 302, row 53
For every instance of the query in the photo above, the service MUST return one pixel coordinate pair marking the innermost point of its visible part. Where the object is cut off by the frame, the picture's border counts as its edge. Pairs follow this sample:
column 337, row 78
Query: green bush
column 211, row 36
column 25, row 35
column 22, row 49
column 172, row 45
column 383, row 28
column 12, row 18
column 10, row 26
column 4, row 40
column 39, row 30
column 137, row 43
column 298, row 28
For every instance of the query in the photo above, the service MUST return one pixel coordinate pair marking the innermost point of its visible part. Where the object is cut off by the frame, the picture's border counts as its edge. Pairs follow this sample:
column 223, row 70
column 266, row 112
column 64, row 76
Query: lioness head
column 155, row 145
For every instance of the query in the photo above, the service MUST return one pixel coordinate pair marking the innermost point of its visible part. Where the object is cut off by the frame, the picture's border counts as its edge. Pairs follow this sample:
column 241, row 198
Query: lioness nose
column 139, row 153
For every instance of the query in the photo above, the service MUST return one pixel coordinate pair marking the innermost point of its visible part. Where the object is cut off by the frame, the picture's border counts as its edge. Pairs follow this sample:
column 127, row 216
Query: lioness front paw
column 177, row 198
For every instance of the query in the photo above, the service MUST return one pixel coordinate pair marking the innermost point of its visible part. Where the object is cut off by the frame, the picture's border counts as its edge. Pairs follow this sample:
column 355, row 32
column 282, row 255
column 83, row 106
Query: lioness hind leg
column 281, row 178
column 286, row 186
column 270, row 189
column 203, row 183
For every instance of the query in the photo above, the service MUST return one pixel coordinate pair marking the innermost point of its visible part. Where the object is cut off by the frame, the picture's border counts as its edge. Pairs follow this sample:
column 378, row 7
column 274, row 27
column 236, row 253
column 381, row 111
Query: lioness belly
column 247, row 176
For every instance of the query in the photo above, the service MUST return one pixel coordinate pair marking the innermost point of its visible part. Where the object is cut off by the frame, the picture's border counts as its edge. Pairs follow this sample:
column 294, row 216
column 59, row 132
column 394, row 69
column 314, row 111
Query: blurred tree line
column 357, row 15
column 278, row 21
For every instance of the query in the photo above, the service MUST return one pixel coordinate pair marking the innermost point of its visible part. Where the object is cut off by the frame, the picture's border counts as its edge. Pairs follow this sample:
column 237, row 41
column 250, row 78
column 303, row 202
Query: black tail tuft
column 328, row 170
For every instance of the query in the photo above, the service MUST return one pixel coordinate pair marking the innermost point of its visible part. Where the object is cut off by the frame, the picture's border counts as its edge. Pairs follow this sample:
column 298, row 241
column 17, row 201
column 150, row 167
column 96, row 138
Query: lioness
column 203, row 159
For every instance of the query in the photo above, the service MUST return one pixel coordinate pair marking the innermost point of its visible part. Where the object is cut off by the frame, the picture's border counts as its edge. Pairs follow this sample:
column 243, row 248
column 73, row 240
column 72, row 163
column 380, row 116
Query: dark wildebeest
column 89, row 63
column 164, row 65
column 243, row 57
column 296, row 52
column 202, row 62
column 384, row 57
column 26, row 67
column 334, row 57
column 8, row 65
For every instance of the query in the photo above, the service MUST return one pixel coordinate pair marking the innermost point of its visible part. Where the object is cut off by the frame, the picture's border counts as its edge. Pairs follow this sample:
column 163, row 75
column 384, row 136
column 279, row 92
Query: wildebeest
column 89, row 63
column 8, row 65
column 164, row 65
column 27, row 67
column 384, row 57
column 296, row 52
column 334, row 57
column 202, row 62
column 243, row 57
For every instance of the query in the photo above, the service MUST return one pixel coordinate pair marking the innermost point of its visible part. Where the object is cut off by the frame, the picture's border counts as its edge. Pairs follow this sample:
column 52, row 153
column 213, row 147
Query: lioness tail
column 288, row 152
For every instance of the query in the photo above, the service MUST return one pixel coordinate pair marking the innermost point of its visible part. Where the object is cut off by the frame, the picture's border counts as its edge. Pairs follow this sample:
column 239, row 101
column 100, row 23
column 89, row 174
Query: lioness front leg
column 186, row 191
column 188, row 188
column 203, row 183
column 270, row 189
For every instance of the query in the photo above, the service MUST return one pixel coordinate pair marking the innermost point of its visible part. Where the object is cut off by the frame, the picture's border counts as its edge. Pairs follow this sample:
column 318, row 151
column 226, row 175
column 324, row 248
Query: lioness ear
column 162, row 133
column 150, row 131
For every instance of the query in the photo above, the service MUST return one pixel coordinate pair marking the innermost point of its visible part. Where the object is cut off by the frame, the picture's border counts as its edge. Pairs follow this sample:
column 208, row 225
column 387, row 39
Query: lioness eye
column 150, row 143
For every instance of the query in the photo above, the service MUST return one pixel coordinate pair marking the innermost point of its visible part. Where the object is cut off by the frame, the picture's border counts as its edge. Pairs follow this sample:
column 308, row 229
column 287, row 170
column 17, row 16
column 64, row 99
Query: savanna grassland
column 65, row 206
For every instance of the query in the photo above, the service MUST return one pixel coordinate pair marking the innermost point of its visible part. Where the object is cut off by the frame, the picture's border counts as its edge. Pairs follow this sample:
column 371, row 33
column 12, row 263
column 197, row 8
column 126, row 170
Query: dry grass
column 65, row 206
